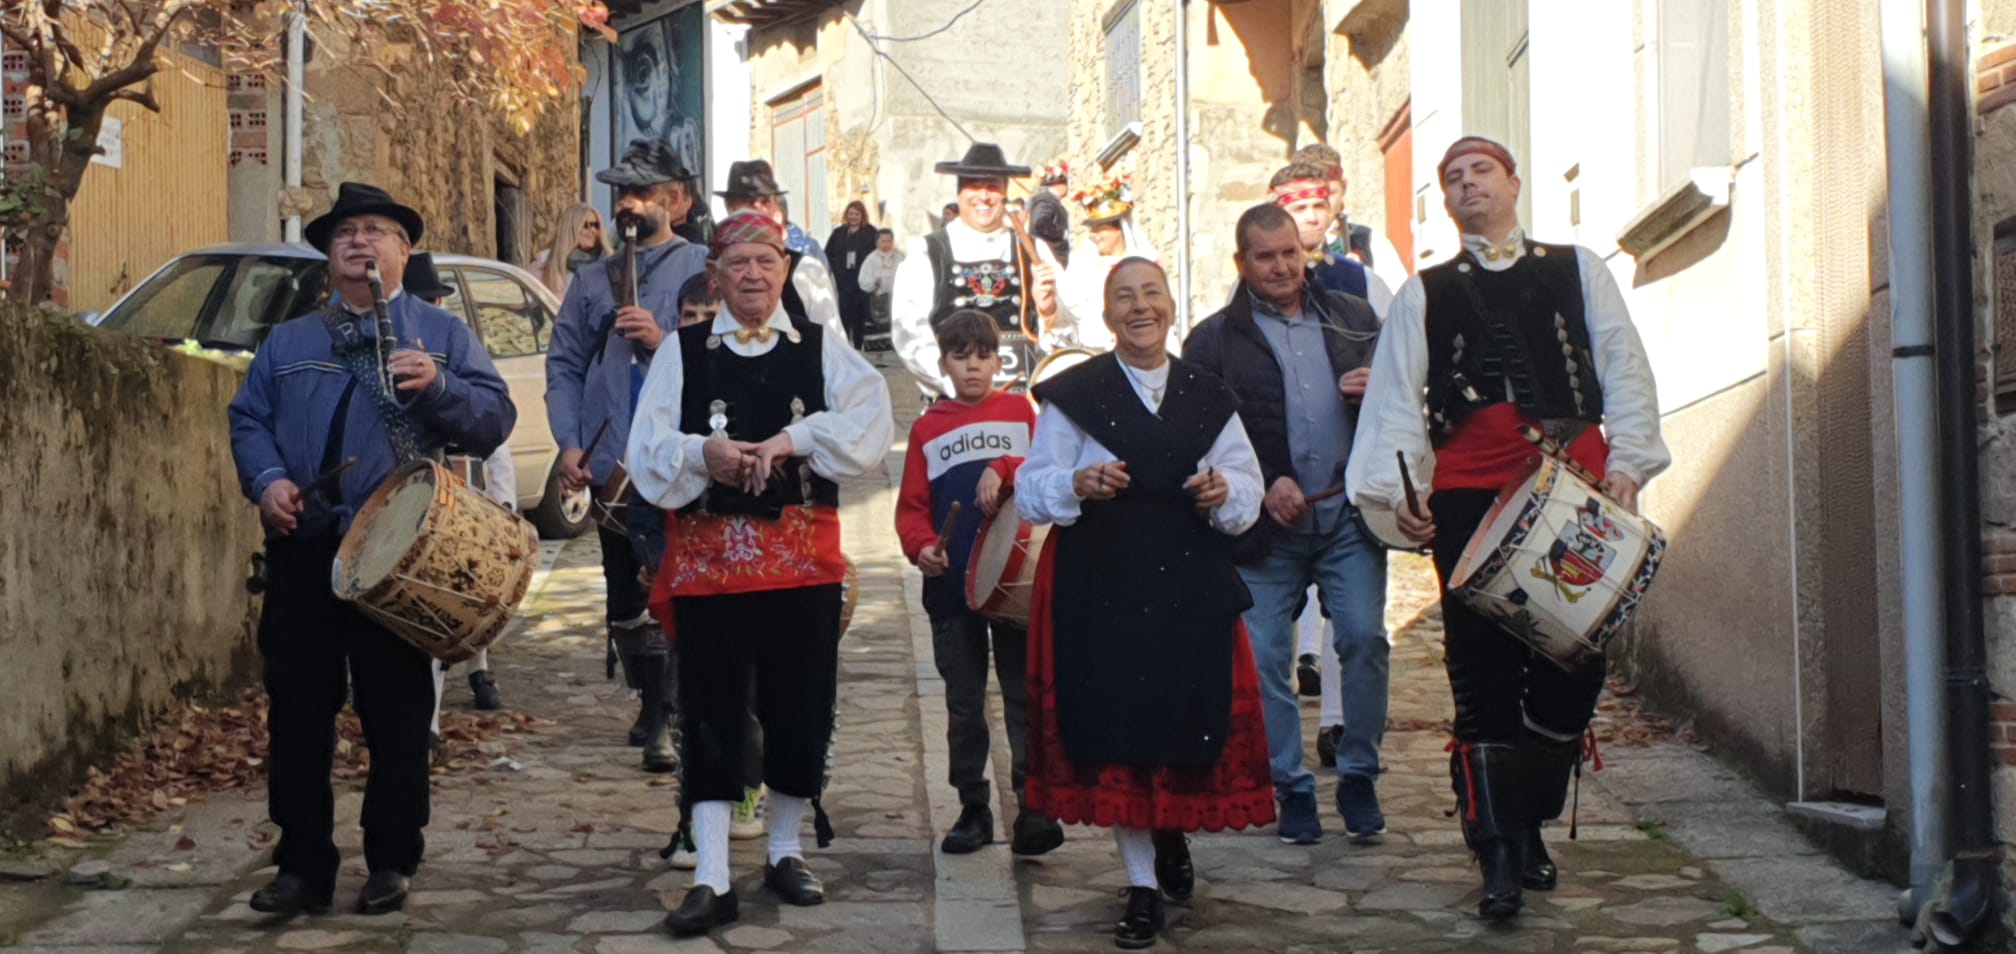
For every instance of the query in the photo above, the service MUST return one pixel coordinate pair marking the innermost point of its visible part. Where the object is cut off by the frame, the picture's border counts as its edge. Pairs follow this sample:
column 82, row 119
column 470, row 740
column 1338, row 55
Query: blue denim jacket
column 284, row 414
column 582, row 391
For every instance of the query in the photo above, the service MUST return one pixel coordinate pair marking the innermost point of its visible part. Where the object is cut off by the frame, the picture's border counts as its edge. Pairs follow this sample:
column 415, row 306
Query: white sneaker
column 747, row 821
column 684, row 856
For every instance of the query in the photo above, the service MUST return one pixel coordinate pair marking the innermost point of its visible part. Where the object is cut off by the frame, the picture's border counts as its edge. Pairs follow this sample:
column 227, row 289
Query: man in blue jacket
column 315, row 396
column 611, row 325
column 1297, row 355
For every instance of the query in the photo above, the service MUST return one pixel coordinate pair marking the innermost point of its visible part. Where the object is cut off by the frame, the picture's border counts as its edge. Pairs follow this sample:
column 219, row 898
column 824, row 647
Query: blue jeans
column 1349, row 571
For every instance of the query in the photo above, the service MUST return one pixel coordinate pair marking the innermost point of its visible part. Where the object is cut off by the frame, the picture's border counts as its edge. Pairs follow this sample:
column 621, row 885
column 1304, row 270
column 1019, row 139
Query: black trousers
column 315, row 648
column 626, row 597
column 959, row 645
column 1498, row 682
column 789, row 640
column 854, row 315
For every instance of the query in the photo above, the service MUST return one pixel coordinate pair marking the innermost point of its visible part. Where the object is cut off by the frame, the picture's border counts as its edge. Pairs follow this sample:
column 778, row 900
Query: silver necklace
column 1154, row 391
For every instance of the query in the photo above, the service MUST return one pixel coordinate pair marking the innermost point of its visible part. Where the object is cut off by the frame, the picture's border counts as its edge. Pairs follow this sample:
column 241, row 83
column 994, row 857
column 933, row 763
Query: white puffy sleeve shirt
column 846, row 440
column 1392, row 417
column 1043, row 492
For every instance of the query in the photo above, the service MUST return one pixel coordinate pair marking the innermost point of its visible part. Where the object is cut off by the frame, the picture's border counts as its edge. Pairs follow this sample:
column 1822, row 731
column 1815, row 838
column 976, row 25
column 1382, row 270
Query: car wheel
column 561, row 515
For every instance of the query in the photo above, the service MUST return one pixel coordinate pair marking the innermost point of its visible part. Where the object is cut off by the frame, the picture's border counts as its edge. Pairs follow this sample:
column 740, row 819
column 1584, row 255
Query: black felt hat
column 357, row 198
column 750, row 180
column 647, row 162
column 983, row 160
column 422, row 281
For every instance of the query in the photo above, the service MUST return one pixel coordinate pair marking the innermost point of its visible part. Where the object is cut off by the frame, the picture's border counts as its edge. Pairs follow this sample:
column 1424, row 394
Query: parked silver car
column 228, row 297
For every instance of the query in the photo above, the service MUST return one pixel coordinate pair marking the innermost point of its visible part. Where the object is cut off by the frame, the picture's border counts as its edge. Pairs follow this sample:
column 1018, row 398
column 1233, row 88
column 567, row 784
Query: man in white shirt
column 878, row 280
column 1511, row 332
column 974, row 262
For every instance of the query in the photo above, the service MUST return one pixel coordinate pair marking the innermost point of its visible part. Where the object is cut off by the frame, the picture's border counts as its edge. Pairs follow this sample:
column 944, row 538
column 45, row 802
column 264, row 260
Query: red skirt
column 1236, row 791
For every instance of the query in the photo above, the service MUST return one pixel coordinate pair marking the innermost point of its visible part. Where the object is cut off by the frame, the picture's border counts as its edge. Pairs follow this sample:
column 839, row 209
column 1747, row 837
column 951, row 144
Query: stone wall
column 1366, row 69
column 123, row 547
column 885, row 130
column 1994, row 44
column 441, row 155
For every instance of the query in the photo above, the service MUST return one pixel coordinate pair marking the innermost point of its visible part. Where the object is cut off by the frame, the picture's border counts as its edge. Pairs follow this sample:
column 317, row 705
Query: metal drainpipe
column 1962, row 906
column 1183, row 162
column 296, row 53
column 1914, row 378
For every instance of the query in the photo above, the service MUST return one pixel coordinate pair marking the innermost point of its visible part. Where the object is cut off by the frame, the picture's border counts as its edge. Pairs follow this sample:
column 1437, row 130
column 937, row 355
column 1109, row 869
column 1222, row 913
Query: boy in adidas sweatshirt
column 966, row 450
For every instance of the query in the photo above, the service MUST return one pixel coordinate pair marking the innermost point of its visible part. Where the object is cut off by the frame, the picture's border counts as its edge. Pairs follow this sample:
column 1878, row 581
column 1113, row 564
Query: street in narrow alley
column 549, row 840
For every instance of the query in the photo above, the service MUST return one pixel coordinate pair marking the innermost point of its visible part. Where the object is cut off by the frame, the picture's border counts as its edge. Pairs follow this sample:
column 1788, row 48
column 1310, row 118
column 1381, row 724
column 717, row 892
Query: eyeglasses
column 372, row 233
column 597, row 226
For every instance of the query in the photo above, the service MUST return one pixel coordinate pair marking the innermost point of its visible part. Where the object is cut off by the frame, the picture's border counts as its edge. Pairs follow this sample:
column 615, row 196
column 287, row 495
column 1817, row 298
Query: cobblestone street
column 550, row 844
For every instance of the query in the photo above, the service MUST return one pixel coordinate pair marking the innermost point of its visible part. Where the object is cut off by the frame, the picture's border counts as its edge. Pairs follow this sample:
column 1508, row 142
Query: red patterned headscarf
column 1476, row 146
column 1293, row 192
column 748, row 225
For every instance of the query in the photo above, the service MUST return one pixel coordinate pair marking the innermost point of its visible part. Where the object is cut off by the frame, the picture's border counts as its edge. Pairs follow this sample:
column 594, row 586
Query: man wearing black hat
column 611, row 324
column 811, row 290
column 974, row 262
column 316, row 395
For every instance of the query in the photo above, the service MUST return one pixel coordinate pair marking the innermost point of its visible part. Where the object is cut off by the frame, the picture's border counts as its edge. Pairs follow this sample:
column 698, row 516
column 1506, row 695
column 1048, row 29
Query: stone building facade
column 859, row 99
column 483, row 188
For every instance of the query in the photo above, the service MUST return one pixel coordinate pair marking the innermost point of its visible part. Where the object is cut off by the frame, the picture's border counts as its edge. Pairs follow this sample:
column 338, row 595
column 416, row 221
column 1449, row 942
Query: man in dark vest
column 811, row 290
column 1296, row 355
column 1510, row 332
column 973, row 262
column 611, row 324
column 743, row 438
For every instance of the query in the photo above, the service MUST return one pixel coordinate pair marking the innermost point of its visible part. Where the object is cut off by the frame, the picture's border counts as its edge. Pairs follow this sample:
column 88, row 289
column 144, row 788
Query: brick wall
column 1995, row 78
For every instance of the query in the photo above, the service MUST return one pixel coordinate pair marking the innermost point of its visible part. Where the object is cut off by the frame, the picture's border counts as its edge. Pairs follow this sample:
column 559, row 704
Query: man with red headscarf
column 1510, row 332
column 742, row 437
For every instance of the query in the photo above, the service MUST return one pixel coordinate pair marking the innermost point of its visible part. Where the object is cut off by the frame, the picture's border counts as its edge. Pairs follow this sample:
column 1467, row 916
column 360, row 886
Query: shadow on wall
column 124, row 548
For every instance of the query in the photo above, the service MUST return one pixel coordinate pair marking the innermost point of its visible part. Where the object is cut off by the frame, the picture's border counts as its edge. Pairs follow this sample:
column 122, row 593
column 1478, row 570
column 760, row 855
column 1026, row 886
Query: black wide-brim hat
column 647, row 162
column 752, row 179
column 983, row 160
column 357, row 198
column 422, row 280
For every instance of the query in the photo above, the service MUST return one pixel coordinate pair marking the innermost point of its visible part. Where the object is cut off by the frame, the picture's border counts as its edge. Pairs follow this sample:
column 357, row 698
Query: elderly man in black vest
column 1297, row 357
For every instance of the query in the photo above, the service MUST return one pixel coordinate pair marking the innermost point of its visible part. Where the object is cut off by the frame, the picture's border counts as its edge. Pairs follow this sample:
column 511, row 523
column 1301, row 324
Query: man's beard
column 647, row 224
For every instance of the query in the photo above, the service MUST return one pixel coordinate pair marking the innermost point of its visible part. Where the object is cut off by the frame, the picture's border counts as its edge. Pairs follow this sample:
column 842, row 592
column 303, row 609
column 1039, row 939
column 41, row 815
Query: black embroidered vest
column 1520, row 334
column 994, row 286
column 755, row 398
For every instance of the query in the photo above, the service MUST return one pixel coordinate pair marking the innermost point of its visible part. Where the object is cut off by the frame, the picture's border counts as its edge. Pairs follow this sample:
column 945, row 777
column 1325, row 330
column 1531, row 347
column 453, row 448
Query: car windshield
column 222, row 300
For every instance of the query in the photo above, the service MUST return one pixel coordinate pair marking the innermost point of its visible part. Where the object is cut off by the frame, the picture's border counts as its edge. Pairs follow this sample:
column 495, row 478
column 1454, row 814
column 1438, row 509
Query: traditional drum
column 435, row 562
column 1057, row 362
column 1558, row 564
column 1001, row 573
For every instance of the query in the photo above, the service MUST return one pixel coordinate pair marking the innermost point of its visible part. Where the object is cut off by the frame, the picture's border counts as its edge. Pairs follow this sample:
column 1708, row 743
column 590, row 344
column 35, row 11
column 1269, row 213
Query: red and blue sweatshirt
column 950, row 447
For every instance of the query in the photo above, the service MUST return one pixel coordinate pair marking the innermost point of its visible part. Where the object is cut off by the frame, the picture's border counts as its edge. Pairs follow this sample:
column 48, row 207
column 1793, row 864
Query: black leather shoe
column 974, row 829
column 794, row 882
column 703, row 911
column 1539, row 873
column 1172, row 865
column 1308, row 676
column 1139, row 927
column 1035, row 834
column 289, row 895
column 485, row 687
column 384, row 892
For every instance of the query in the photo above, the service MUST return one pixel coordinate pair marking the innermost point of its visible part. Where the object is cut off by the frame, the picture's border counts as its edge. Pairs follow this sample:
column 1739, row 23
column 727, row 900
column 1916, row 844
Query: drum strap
column 332, row 451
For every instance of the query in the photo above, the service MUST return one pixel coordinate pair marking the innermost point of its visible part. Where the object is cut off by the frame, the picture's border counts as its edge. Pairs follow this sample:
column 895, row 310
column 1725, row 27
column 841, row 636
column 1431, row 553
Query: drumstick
column 588, row 453
column 945, row 531
column 1322, row 495
column 1407, row 484
column 327, row 481
column 1547, row 446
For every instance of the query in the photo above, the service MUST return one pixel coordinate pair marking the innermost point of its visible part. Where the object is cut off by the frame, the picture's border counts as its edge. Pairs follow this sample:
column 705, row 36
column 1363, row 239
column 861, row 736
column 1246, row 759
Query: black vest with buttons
column 759, row 396
column 1520, row 334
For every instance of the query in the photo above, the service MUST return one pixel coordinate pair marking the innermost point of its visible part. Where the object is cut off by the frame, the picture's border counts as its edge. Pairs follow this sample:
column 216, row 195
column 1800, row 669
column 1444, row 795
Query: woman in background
column 579, row 240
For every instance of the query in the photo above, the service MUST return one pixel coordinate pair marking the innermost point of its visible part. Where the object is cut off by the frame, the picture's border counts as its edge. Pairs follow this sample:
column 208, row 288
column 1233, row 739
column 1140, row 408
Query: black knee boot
column 1487, row 782
column 633, row 645
column 1549, row 763
column 656, row 675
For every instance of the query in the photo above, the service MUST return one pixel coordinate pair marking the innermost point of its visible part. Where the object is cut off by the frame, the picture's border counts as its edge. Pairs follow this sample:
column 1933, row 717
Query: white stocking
column 1137, row 852
column 787, row 815
column 710, row 842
